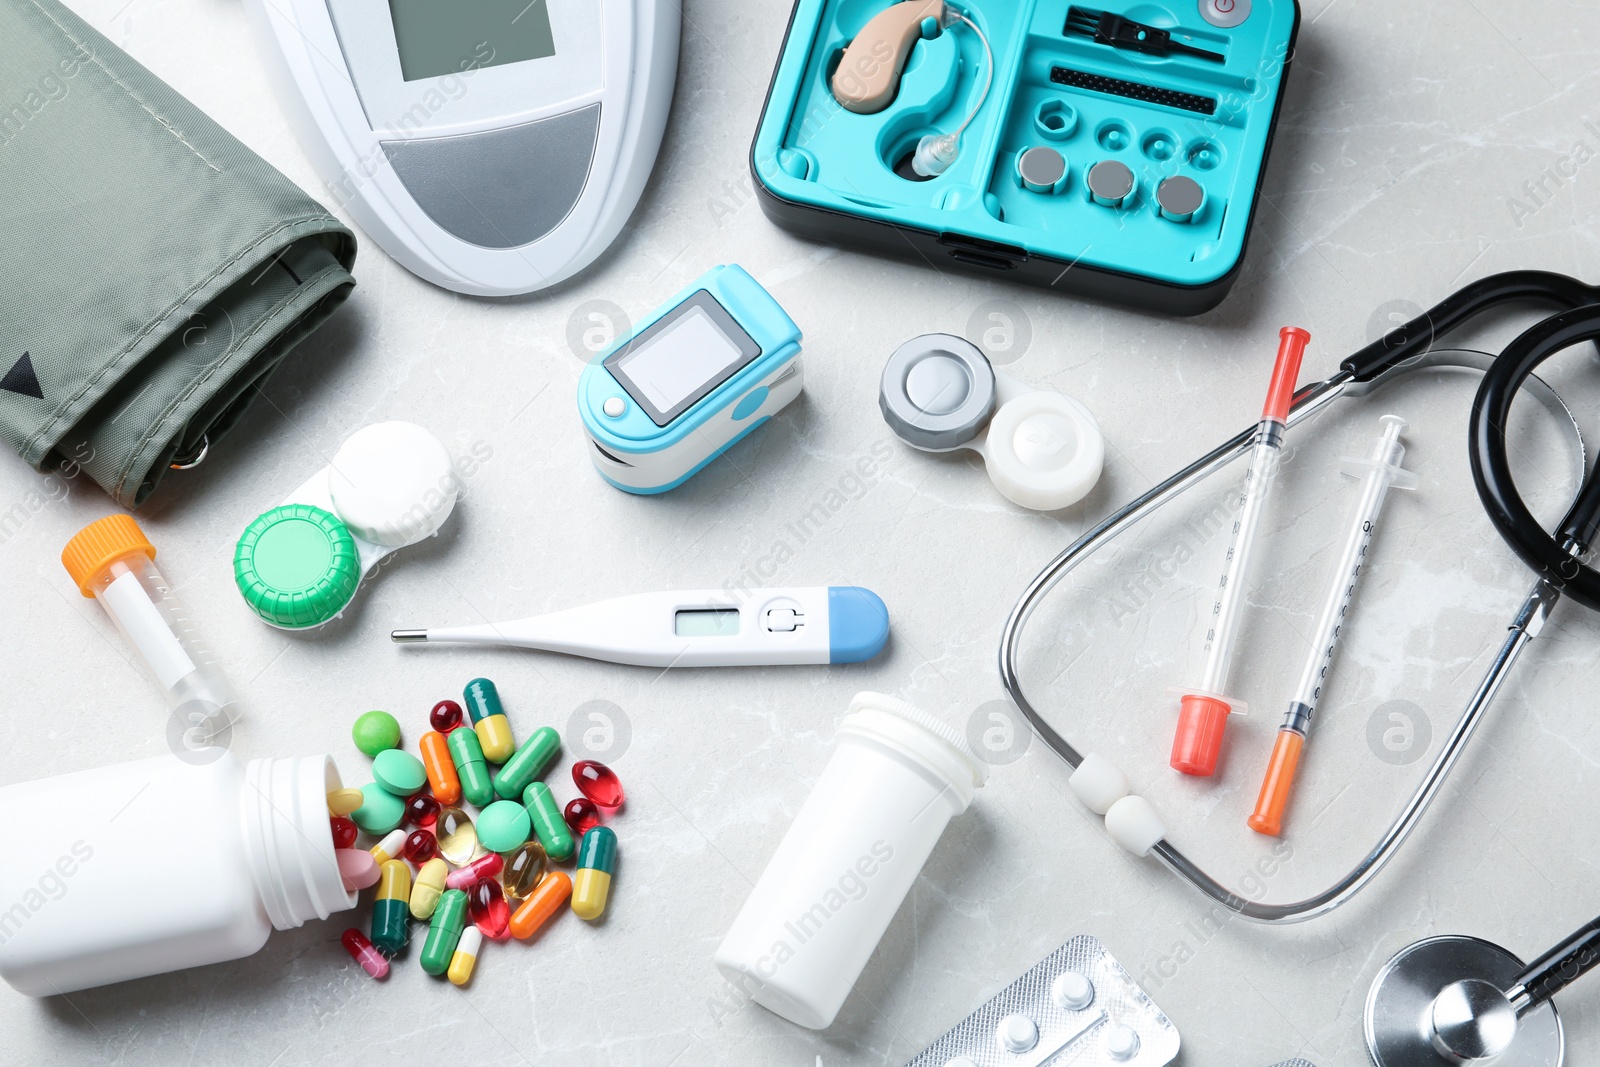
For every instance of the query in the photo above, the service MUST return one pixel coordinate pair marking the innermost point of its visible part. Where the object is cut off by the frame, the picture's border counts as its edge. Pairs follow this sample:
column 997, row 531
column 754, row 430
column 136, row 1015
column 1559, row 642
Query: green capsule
column 530, row 762
column 548, row 825
column 391, row 920
column 467, row 755
column 599, row 850
column 390, row 926
column 489, row 721
column 449, row 919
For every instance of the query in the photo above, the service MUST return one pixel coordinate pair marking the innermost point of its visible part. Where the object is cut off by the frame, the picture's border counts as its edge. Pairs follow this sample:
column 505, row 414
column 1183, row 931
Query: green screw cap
column 296, row 566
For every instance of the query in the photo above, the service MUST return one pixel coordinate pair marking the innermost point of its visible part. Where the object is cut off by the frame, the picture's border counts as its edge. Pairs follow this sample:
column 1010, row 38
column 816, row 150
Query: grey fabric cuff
column 154, row 271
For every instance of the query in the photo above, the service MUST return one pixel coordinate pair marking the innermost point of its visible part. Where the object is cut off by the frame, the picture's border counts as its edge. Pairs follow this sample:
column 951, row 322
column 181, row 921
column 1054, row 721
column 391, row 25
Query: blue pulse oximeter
column 699, row 373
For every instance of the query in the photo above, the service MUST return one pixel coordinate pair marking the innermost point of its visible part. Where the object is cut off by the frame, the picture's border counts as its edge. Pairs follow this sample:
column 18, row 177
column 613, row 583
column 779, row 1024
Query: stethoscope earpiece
column 1043, row 451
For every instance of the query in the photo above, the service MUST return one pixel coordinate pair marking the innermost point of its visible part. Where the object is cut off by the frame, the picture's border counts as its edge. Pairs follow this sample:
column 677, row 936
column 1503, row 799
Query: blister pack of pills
column 1077, row 1007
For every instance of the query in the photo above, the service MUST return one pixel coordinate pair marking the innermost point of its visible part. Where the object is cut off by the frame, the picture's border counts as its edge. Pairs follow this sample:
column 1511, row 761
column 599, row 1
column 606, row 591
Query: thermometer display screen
column 707, row 622
column 440, row 37
column 681, row 357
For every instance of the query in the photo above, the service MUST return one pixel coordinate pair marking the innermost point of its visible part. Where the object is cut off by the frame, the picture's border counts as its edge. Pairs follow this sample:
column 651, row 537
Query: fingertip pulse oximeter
column 699, row 373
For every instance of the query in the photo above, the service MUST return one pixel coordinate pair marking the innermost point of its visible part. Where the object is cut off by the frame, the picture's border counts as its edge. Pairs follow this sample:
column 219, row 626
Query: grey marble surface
column 1409, row 135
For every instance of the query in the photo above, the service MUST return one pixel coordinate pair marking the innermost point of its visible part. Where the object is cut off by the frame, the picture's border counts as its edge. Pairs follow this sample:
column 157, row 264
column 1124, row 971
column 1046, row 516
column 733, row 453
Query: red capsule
column 446, row 716
column 421, row 846
column 581, row 815
column 599, row 783
column 485, row 866
column 422, row 811
column 488, row 908
column 364, row 952
column 344, row 832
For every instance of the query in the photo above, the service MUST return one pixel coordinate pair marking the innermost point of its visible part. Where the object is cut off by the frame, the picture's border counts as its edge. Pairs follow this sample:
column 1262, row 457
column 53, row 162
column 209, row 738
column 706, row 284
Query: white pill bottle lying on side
column 161, row 864
column 896, row 778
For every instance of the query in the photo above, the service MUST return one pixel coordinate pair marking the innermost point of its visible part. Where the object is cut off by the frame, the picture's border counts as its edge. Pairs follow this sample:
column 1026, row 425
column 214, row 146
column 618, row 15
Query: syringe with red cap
column 1203, row 711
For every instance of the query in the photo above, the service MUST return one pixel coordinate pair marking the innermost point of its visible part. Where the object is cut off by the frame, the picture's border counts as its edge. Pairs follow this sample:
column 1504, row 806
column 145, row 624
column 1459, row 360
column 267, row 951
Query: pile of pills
column 470, row 877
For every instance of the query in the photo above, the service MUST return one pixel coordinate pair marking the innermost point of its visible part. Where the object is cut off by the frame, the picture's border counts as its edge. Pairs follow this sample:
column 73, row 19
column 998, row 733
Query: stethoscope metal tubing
column 1309, row 401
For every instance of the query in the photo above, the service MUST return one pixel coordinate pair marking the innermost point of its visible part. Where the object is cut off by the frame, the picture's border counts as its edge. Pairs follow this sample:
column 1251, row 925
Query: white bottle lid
column 933, row 743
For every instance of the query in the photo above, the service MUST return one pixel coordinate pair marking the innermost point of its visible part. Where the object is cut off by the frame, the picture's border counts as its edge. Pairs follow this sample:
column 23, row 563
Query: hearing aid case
column 830, row 174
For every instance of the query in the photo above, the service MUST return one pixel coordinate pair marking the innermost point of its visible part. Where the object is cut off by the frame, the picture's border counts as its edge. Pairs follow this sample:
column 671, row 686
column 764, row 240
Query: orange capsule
column 552, row 892
column 442, row 777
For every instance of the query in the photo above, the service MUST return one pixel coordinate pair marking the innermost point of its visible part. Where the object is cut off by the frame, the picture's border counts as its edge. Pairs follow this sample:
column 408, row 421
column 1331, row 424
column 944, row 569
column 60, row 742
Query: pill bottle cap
column 924, row 738
column 1201, row 721
column 100, row 544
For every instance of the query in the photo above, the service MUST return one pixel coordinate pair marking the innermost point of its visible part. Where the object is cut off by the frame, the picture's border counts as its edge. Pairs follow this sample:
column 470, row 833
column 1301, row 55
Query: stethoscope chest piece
column 1439, row 1003
column 1043, row 451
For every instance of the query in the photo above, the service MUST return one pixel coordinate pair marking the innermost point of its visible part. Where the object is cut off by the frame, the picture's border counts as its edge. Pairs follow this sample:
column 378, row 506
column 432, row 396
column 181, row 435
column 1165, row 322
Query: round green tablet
column 399, row 772
column 503, row 826
column 380, row 811
column 375, row 732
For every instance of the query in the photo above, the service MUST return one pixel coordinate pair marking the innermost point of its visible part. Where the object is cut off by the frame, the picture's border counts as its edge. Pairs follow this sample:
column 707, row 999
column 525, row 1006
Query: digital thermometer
column 698, row 628
column 699, row 373
column 492, row 147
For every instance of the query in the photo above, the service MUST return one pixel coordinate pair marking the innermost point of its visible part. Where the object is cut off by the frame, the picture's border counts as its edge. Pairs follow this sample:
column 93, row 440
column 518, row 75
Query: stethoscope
column 1419, row 976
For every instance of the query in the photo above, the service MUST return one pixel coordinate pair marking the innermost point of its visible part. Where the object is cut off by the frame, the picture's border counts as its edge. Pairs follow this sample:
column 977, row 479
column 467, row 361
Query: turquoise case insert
column 756, row 312
column 810, row 152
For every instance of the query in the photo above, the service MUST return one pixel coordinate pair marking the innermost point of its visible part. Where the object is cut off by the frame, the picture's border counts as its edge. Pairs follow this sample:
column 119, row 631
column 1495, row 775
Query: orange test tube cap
column 100, row 544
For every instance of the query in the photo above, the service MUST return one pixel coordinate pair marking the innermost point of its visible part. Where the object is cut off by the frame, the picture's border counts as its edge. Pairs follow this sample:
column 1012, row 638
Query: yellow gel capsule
column 590, row 888
column 426, row 889
column 345, row 801
column 466, row 956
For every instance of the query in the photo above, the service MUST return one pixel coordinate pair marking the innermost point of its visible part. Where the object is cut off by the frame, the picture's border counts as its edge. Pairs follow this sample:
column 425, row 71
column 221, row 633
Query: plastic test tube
column 1379, row 472
column 1203, row 711
column 112, row 561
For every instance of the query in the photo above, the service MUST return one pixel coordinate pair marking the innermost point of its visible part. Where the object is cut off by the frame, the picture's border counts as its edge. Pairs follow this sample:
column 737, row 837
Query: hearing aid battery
column 1110, row 182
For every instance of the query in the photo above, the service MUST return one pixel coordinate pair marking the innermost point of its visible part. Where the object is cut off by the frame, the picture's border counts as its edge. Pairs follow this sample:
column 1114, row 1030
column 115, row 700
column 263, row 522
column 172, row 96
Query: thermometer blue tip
column 858, row 624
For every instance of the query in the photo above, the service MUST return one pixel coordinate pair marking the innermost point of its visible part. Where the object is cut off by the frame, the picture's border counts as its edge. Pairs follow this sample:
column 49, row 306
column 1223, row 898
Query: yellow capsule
column 590, row 888
column 466, row 956
column 427, row 887
column 591, row 883
column 344, row 801
column 494, row 734
column 394, row 881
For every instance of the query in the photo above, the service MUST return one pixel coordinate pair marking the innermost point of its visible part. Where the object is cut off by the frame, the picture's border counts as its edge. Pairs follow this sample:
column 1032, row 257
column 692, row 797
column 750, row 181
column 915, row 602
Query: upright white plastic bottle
column 161, row 864
column 896, row 778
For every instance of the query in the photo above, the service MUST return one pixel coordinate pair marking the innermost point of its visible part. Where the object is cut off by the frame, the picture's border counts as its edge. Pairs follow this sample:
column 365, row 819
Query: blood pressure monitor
column 492, row 147
column 715, row 362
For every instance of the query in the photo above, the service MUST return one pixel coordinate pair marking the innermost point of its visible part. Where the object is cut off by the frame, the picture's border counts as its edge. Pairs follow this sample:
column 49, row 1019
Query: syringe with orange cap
column 1379, row 472
column 1203, row 711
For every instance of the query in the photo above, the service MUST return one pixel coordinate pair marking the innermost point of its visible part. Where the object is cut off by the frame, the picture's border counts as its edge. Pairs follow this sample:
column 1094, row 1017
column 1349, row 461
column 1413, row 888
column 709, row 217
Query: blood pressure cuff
column 153, row 270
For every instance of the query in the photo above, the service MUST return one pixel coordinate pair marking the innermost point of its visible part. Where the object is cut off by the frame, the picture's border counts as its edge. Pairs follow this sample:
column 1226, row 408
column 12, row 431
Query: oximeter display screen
column 706, row 622
column 440, row 37
column 681, row 357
